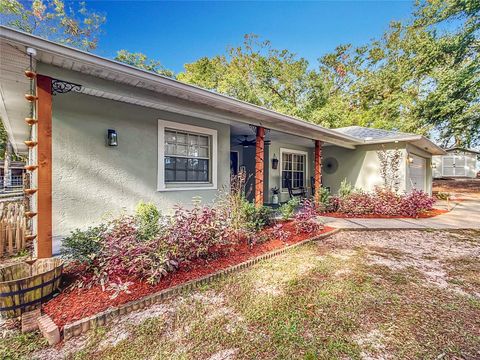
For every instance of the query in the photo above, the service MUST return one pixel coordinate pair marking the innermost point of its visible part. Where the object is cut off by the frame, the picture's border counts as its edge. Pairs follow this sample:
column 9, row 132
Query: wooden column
column 44, row 156
column 259, row 165
column 318, row 169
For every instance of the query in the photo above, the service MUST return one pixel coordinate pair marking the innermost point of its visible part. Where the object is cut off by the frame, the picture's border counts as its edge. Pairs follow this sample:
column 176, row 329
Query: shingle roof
column 473, row 151
column 365, row 133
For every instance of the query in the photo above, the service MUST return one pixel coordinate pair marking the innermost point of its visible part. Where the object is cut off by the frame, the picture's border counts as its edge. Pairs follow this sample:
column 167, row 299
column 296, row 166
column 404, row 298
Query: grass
column 20, row 346
column 315, row 302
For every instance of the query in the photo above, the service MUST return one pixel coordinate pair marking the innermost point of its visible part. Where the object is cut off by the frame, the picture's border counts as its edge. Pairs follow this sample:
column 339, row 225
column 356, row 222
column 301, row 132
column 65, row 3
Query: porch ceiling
column 240, row 129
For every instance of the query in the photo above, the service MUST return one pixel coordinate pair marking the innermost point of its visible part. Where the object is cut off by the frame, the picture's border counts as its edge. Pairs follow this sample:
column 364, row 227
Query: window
column 187, row 157
column 294, row 167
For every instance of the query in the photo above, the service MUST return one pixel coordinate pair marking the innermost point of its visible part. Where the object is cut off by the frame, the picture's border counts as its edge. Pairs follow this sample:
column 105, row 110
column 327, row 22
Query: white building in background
column 458, row 162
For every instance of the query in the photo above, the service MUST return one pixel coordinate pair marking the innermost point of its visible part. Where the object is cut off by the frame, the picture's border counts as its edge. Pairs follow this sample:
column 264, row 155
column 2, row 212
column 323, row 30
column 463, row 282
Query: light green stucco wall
column 360, row 167
column 92, row 180
column 274, row 177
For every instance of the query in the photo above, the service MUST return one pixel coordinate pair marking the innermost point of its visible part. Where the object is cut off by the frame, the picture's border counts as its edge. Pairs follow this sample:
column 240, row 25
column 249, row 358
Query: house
column 361, row 167
column 104, row 135
column 458, row 162
column 12, row 178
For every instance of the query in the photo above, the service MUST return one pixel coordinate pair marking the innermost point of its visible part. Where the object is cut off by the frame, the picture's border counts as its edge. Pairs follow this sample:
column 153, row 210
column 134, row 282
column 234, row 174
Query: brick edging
column 83, row 325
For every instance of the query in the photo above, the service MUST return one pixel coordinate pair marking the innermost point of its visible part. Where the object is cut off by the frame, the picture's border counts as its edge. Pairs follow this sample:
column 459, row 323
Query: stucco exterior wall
column 92, row 180
column 274, row 176
column 361, row 167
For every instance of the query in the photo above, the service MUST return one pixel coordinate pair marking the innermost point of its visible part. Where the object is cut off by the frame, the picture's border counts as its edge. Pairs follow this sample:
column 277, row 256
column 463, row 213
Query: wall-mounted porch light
column 112, row 138
column 410, row 160
column 274, row 162
column 434, row 166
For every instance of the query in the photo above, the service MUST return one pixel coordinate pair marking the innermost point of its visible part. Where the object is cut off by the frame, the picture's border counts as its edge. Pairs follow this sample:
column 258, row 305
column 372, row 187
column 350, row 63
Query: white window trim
column 291, row 151
column 161, row 185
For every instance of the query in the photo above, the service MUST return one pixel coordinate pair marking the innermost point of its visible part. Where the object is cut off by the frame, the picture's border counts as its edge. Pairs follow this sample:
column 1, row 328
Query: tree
column 72, row 25
column 260, row 74
column 141, row 61
column 421, row 76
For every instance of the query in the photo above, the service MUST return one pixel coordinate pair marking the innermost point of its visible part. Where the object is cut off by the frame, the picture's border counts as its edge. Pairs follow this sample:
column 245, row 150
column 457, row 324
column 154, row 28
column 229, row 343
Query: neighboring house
column 458, row 162
column 110, row 135
column 12, row 179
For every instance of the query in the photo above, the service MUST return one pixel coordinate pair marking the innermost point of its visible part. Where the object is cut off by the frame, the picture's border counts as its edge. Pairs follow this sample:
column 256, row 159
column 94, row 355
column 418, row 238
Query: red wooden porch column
column 318, row 169
column 44, row 156
column 259, row 165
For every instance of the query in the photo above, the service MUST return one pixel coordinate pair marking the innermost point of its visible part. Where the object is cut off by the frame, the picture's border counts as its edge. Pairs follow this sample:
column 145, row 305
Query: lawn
column 408, row 294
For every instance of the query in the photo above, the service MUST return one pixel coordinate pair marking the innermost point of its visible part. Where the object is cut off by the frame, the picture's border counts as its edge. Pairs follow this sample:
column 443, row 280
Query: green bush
column 147, row 217
column 345, row 189
column 83, row 245
column 287, row 209
column 256, row 218
column 324, row 197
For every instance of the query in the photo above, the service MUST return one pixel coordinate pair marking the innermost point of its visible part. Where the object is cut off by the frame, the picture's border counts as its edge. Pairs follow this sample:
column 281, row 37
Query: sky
column 181, row 32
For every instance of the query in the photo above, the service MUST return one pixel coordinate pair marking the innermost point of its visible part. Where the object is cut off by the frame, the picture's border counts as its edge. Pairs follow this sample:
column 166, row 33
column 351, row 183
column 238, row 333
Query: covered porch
column 272, row 160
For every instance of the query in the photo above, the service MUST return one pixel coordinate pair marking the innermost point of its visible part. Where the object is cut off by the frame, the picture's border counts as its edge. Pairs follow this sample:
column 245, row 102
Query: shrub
column 345, row 189
column 386, row 202
column 323, row 197
column 125, row 254
column 333, row 203
column 258, row 218
column 147, row 217
column 416, row 202
column 357, row 203
column 193, row 233
column 305, row 218
column 83, row 246
column 287, row 209
column 279, row 233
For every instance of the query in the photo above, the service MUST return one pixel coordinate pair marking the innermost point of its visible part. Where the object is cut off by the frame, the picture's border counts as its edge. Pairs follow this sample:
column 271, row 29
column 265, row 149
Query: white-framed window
column 187, row 157
column 294, row 168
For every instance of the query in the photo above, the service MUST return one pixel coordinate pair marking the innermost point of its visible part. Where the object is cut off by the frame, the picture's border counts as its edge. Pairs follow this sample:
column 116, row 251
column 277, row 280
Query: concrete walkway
column 464, row 215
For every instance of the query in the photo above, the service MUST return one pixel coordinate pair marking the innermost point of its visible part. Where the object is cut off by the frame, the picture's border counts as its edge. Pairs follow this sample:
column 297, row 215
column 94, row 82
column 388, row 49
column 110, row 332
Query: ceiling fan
column 243, row 141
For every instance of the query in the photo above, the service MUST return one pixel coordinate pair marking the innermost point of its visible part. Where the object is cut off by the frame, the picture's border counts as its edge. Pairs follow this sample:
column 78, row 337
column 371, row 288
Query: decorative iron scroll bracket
column 63, row 87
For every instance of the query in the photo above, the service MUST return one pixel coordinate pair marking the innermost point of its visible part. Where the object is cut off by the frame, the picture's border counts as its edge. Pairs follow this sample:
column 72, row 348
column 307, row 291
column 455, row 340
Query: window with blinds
column 187, row 157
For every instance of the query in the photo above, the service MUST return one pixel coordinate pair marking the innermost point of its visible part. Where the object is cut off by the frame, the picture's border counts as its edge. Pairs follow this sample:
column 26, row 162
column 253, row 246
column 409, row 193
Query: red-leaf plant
column 305, row 218
column 194, row 233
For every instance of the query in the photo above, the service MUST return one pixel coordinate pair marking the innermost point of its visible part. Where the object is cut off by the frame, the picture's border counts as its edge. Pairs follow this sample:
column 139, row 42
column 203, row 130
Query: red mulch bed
column 76, row 304
column 426, row 214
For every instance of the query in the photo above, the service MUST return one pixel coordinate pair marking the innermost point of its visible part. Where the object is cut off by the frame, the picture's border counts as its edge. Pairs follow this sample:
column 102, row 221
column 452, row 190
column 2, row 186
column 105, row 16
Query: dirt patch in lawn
column 435, row 255
column 465, row 186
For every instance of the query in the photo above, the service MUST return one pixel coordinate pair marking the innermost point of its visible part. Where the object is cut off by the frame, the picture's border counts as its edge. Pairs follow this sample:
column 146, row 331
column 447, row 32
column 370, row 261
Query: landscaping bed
column 78, row 303
column 424, row 215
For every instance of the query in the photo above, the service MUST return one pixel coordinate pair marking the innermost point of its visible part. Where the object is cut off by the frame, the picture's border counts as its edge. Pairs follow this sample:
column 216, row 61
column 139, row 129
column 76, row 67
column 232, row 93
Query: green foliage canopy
column 72, row 24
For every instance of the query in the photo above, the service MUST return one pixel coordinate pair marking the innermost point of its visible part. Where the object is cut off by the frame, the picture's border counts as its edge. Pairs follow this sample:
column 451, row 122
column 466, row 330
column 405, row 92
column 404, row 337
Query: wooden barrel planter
column 24, row 287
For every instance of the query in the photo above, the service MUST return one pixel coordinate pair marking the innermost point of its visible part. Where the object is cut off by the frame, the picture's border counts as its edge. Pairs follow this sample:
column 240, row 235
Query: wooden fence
column 13, row 228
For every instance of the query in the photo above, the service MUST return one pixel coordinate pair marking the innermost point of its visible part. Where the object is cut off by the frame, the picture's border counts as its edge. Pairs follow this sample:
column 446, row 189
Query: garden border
column 83, row 325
